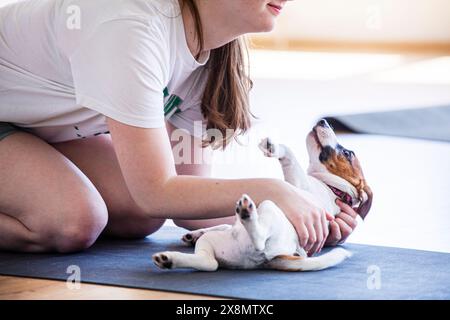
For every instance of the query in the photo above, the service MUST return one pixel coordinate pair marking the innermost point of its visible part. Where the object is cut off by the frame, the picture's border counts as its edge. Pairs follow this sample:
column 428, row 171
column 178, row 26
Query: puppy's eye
column 347, row 154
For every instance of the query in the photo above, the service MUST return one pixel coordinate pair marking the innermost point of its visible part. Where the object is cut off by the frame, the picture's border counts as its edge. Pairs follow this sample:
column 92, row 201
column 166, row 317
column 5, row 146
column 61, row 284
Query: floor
column 16, row 288
column 410, row 178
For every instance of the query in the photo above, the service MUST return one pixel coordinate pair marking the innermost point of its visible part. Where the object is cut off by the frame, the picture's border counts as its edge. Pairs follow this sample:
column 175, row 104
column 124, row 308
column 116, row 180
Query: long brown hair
column 225, row 102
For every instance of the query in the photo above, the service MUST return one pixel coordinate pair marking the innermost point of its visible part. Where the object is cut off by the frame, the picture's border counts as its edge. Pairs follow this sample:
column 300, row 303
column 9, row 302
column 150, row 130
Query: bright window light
column 428, row 71
column 317, row 65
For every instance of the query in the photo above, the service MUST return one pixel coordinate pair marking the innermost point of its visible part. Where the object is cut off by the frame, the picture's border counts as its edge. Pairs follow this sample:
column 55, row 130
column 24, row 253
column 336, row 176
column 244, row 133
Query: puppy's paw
column 246, row 208
column 269, row 148
column 192, row 237
column 163, row 260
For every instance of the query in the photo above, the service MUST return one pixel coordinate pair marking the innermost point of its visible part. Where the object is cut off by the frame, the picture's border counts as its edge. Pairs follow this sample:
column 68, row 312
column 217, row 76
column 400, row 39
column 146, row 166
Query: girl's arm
column 147, row 164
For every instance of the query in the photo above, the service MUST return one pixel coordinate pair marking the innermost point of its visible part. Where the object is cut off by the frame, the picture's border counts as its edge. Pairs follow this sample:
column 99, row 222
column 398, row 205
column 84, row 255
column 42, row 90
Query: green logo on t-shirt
column 171, row 104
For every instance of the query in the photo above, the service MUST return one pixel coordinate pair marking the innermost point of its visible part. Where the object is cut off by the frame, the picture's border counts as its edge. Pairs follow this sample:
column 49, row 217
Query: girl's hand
column 343, row 225
column 309, row 221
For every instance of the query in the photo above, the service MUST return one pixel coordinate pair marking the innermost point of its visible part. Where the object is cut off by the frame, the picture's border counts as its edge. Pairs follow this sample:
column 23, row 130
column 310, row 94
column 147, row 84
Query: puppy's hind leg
column 247, row 214
column 192, row 237
column 203, row 259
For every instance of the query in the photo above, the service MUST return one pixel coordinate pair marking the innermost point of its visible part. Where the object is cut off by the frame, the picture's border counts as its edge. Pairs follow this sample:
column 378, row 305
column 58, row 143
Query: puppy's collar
column 342, row 195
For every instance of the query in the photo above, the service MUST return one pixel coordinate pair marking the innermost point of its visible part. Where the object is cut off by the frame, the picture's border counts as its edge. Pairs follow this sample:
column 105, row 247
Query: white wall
column 366, row 20
column 362, row 20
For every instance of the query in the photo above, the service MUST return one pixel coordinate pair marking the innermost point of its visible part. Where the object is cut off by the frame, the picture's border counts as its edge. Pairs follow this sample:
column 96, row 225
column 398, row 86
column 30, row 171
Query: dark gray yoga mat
column 402, row 274
column 425, row 123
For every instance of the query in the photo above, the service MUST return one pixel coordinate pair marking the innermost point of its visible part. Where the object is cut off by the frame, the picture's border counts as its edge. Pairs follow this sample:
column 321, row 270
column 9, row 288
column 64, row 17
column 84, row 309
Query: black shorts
column 6, row 129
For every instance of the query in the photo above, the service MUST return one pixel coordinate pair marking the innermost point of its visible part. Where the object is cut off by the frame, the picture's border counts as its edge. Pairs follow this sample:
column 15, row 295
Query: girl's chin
column 267, row 26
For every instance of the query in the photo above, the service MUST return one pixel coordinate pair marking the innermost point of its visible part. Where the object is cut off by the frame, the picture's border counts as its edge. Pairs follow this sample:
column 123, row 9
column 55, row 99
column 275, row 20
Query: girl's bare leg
column 96, row 158
column 46, row 202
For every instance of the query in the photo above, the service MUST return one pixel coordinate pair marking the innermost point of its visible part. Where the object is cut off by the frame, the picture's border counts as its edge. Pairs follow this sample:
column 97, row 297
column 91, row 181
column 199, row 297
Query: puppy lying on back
column 262, row 237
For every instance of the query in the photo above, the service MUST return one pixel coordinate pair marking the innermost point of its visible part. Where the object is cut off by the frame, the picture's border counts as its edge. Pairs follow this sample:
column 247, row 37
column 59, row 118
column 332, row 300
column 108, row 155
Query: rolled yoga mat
column 431, row 123
column 372, row 273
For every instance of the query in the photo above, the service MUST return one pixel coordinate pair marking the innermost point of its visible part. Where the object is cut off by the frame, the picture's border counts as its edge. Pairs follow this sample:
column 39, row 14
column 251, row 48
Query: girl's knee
column 77, row 229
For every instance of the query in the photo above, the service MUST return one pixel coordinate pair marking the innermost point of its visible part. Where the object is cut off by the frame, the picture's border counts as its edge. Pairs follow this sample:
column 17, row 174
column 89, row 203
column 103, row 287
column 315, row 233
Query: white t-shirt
column 66, row 64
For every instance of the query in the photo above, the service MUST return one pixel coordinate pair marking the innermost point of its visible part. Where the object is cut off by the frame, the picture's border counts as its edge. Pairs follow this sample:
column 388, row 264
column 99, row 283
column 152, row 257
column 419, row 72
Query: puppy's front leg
column 246, row 211
column 292, row 171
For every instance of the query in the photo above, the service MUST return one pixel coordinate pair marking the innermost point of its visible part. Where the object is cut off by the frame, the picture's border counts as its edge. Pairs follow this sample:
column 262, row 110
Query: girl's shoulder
column 92, row 13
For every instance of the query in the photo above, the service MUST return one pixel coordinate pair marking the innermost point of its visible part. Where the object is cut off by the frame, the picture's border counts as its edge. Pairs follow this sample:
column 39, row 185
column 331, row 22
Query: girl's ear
column 365, row 198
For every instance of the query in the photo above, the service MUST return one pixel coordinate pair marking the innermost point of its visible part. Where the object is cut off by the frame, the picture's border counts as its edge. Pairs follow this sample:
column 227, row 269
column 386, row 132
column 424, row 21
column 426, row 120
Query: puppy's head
column 328, row 160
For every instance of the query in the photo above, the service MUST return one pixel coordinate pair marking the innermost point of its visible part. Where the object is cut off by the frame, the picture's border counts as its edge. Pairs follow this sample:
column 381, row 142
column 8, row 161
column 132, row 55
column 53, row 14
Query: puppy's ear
column 365, row 198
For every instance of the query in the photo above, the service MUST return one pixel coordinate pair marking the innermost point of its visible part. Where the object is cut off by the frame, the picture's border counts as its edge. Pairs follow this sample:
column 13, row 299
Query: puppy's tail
column 295, row 263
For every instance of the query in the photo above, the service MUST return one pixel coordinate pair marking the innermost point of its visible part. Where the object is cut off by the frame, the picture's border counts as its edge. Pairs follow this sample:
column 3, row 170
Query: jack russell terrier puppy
column 262, row 237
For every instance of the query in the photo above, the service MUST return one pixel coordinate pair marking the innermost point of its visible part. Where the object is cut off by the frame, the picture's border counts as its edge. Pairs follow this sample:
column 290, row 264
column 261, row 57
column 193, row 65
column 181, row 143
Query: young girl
column 90, row 92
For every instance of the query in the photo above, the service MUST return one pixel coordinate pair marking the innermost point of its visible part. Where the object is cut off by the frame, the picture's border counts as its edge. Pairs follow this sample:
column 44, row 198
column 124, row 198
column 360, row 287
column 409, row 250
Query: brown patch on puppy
column 285, row 257
column 345, row 164
column 339, row 165
column 280, row 263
